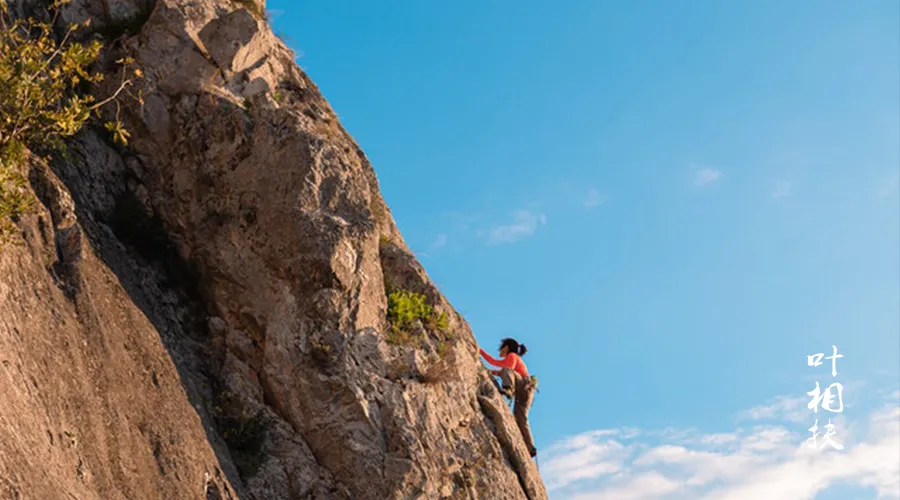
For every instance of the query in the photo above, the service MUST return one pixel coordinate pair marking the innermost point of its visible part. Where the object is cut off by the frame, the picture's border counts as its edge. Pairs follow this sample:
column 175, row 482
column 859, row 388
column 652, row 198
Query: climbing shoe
column 507, row 391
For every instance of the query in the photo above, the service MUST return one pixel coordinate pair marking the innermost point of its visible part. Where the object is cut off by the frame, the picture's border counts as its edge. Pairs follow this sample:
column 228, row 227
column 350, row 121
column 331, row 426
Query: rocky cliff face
column 203, row 314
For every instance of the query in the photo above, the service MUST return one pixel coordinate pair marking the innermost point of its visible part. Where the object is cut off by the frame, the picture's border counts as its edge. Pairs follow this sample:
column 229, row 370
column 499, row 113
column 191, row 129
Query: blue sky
column 671, row 204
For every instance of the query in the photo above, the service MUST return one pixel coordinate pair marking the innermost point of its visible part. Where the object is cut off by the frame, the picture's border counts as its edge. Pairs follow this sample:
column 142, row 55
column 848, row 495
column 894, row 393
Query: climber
column 517, row 383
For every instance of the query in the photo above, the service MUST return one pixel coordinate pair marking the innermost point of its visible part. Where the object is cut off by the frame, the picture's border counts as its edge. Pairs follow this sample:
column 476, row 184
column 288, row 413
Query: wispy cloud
column 524, row 224
column 781, row 189
column 772, row 461
column 890, row 185
column 594, row 198
column 440, row 241
column 704, row 176
column 783, row 408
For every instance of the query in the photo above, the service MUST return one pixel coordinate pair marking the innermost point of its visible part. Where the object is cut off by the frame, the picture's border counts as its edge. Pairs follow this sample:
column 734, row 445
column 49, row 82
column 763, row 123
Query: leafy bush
column 405, row 308
column 40, row 102
column 13, row 197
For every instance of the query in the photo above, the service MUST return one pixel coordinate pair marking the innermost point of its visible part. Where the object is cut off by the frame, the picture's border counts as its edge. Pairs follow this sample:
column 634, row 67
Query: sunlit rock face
column 203, row 313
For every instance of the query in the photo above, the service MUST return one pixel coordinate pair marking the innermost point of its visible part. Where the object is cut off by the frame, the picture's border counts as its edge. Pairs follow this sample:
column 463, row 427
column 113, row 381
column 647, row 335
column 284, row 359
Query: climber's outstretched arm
column 506, row 362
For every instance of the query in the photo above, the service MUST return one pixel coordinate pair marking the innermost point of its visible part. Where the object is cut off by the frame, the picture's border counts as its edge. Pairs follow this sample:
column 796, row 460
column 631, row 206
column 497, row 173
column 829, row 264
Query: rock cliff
column 203, row 314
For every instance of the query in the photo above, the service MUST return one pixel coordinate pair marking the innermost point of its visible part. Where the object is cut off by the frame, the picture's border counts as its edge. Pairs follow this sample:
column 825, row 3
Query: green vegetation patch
column 405, row 309
column 40, row 100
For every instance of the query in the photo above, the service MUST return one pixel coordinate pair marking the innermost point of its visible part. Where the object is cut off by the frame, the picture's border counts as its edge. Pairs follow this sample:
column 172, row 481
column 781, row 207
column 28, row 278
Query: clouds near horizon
column 763, row 460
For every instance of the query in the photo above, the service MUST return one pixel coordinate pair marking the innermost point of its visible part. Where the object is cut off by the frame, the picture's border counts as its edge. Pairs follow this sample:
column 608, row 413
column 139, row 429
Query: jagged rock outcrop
column 206, row 308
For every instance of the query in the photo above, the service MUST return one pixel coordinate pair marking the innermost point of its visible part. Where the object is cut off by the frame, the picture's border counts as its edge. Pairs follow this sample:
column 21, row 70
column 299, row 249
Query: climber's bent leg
column 508, row 381
column 524, row 398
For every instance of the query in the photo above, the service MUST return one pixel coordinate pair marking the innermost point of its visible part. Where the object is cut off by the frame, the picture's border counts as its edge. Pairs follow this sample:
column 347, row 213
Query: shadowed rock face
column 206, row 309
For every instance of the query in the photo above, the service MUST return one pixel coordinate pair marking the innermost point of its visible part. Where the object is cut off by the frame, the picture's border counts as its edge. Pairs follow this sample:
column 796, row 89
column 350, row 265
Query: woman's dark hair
column 513, row 346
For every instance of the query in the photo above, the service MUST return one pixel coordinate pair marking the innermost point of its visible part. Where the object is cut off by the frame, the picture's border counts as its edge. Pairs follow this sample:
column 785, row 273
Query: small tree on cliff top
column 40, row 102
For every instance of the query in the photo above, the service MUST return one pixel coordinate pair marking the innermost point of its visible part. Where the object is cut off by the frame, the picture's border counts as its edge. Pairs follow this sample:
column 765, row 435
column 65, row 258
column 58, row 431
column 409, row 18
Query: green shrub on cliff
column 40, row 102
column 404, row 309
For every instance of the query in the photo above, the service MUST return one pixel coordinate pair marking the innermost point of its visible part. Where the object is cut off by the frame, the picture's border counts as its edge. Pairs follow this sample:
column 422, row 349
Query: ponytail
column 513, row 346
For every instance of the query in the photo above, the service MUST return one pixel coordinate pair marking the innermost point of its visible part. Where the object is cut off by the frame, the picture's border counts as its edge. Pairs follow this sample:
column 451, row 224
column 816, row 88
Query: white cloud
column 719, row 439
column 771, row 461
column 582, row 457
column 890, row 185
column 440, row 241
column 805, row 472
column 781, row 189
column 705, row 175
column 785, row 408
column 594, row 198
column 523, row 225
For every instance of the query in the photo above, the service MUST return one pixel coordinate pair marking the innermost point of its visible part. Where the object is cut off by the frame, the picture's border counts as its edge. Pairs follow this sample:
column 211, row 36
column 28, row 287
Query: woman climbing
column 517, row 383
